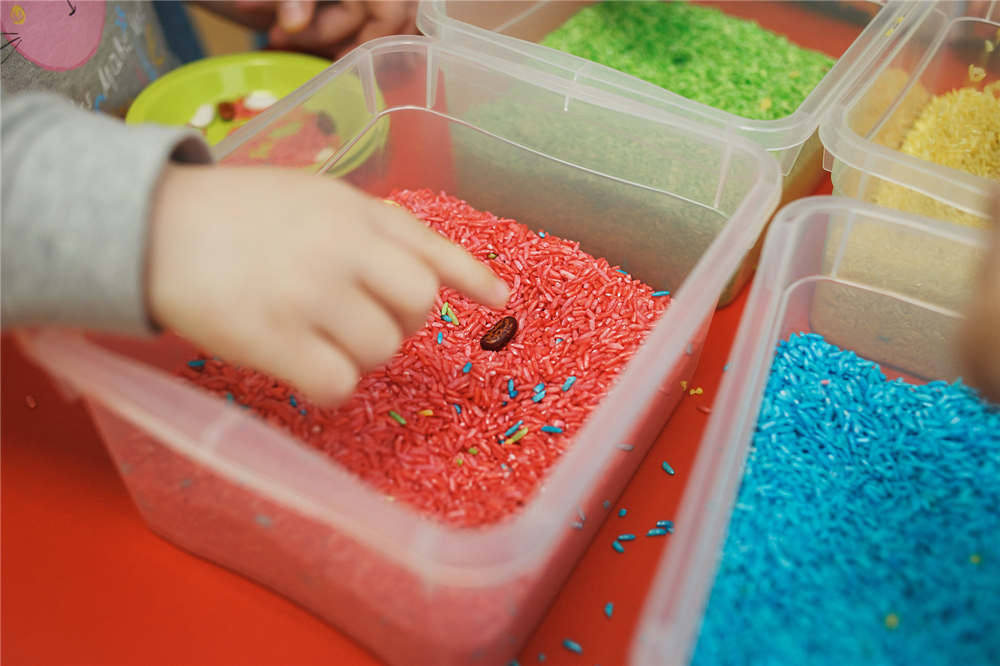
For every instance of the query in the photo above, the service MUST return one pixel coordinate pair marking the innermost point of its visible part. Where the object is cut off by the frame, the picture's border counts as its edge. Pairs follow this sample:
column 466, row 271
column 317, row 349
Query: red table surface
column 85, row 582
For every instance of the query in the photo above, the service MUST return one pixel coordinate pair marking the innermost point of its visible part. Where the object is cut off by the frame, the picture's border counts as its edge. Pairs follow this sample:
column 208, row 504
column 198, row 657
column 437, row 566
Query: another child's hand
column 300, row 276
column 327, row 29
column 980, row 340
column 333, row 29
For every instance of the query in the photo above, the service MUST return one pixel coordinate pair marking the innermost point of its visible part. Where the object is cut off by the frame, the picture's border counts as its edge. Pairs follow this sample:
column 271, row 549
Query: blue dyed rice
column 862, row 499
column 572, row 646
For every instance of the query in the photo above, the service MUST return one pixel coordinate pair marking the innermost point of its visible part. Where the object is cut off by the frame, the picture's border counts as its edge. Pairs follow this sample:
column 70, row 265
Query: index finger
column 456, row 267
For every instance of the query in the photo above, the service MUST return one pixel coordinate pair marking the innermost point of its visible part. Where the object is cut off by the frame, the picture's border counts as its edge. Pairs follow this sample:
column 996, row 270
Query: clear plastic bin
column 864, row 129
column 510, row 30
column 230, row 488
column 813, row 277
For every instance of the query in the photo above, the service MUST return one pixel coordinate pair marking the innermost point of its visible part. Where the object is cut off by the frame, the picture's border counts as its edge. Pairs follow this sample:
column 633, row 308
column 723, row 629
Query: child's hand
column 333, row 29
column 328, row 29
column 980, row 340
column 300, row 276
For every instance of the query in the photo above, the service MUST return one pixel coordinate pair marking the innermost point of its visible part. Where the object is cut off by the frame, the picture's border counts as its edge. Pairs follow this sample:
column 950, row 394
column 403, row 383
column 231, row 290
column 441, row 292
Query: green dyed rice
column 698, row 52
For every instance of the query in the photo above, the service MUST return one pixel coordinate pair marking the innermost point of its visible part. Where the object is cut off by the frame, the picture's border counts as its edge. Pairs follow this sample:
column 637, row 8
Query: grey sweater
column 76, row 193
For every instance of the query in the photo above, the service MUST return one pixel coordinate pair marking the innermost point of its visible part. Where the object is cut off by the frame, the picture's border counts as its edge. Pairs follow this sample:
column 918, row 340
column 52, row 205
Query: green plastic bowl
column 175, row 97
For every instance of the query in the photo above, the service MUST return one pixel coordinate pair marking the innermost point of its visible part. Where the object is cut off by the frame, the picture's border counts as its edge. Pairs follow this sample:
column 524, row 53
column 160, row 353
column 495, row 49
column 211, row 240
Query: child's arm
column 105, row 227
column 76, row 189
column 979, row 345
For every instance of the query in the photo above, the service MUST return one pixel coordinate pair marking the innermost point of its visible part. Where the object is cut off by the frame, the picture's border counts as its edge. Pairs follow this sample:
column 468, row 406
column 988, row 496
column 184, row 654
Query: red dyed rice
column 558, row 291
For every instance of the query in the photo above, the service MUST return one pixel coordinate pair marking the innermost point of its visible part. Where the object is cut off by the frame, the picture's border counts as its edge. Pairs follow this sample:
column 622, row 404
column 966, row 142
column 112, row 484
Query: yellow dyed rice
column 960, row 130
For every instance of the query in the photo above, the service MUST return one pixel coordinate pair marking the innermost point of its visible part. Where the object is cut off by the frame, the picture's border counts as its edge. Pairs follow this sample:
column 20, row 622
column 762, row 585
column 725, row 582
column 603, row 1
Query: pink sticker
column 55, row 35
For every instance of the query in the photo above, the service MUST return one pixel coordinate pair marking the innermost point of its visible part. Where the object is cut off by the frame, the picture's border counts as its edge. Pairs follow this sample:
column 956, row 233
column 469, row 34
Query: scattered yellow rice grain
column 976, row 74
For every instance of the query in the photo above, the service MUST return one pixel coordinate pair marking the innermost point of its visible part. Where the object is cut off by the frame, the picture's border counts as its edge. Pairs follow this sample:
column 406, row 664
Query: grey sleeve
column 76, row 191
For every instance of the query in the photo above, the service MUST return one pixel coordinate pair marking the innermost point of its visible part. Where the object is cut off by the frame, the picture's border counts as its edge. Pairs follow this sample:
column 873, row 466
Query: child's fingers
column 401, row 281
column 456, row 267
column 368, row 334
column 317, row 367
column 331, row 24
column 295, row 15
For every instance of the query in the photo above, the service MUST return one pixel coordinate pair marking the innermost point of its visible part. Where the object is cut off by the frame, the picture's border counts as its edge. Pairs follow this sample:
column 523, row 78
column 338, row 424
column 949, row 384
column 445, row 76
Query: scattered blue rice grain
column 513, row 662
column 538, row 397
column 609, row 609
column 617, row 546
column 656, row 531
column 626, row 537
column 541, row 656
column 503, row 404
column 467, row 367
column 511, row 391
column 622, row 512
column 292, row 401
column 568, row 384
column 668, row 525
column 514, row 428
column 458, row 408
column 229, row 397
column 831, row 532
column 541, row 234
column 440, row 337
column 539, row 387
column 558, row 340
column 197, row 363
column 621, row 271
column 549, row 428
column 572, row 646
column 302, row 412
column 446, row 317
column 725, row 367
column 667, row 468
column 661, row 293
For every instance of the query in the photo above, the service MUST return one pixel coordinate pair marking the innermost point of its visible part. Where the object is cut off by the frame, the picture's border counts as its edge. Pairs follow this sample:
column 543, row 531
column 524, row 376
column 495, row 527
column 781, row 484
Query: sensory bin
column 462, row 433
column 919, row 133
column 688, row 49
column 866, row 528
column 230, row 487
column 705, row 49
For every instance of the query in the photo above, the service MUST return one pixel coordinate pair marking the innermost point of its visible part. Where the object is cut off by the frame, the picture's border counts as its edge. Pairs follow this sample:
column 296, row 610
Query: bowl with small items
column 218, row 96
